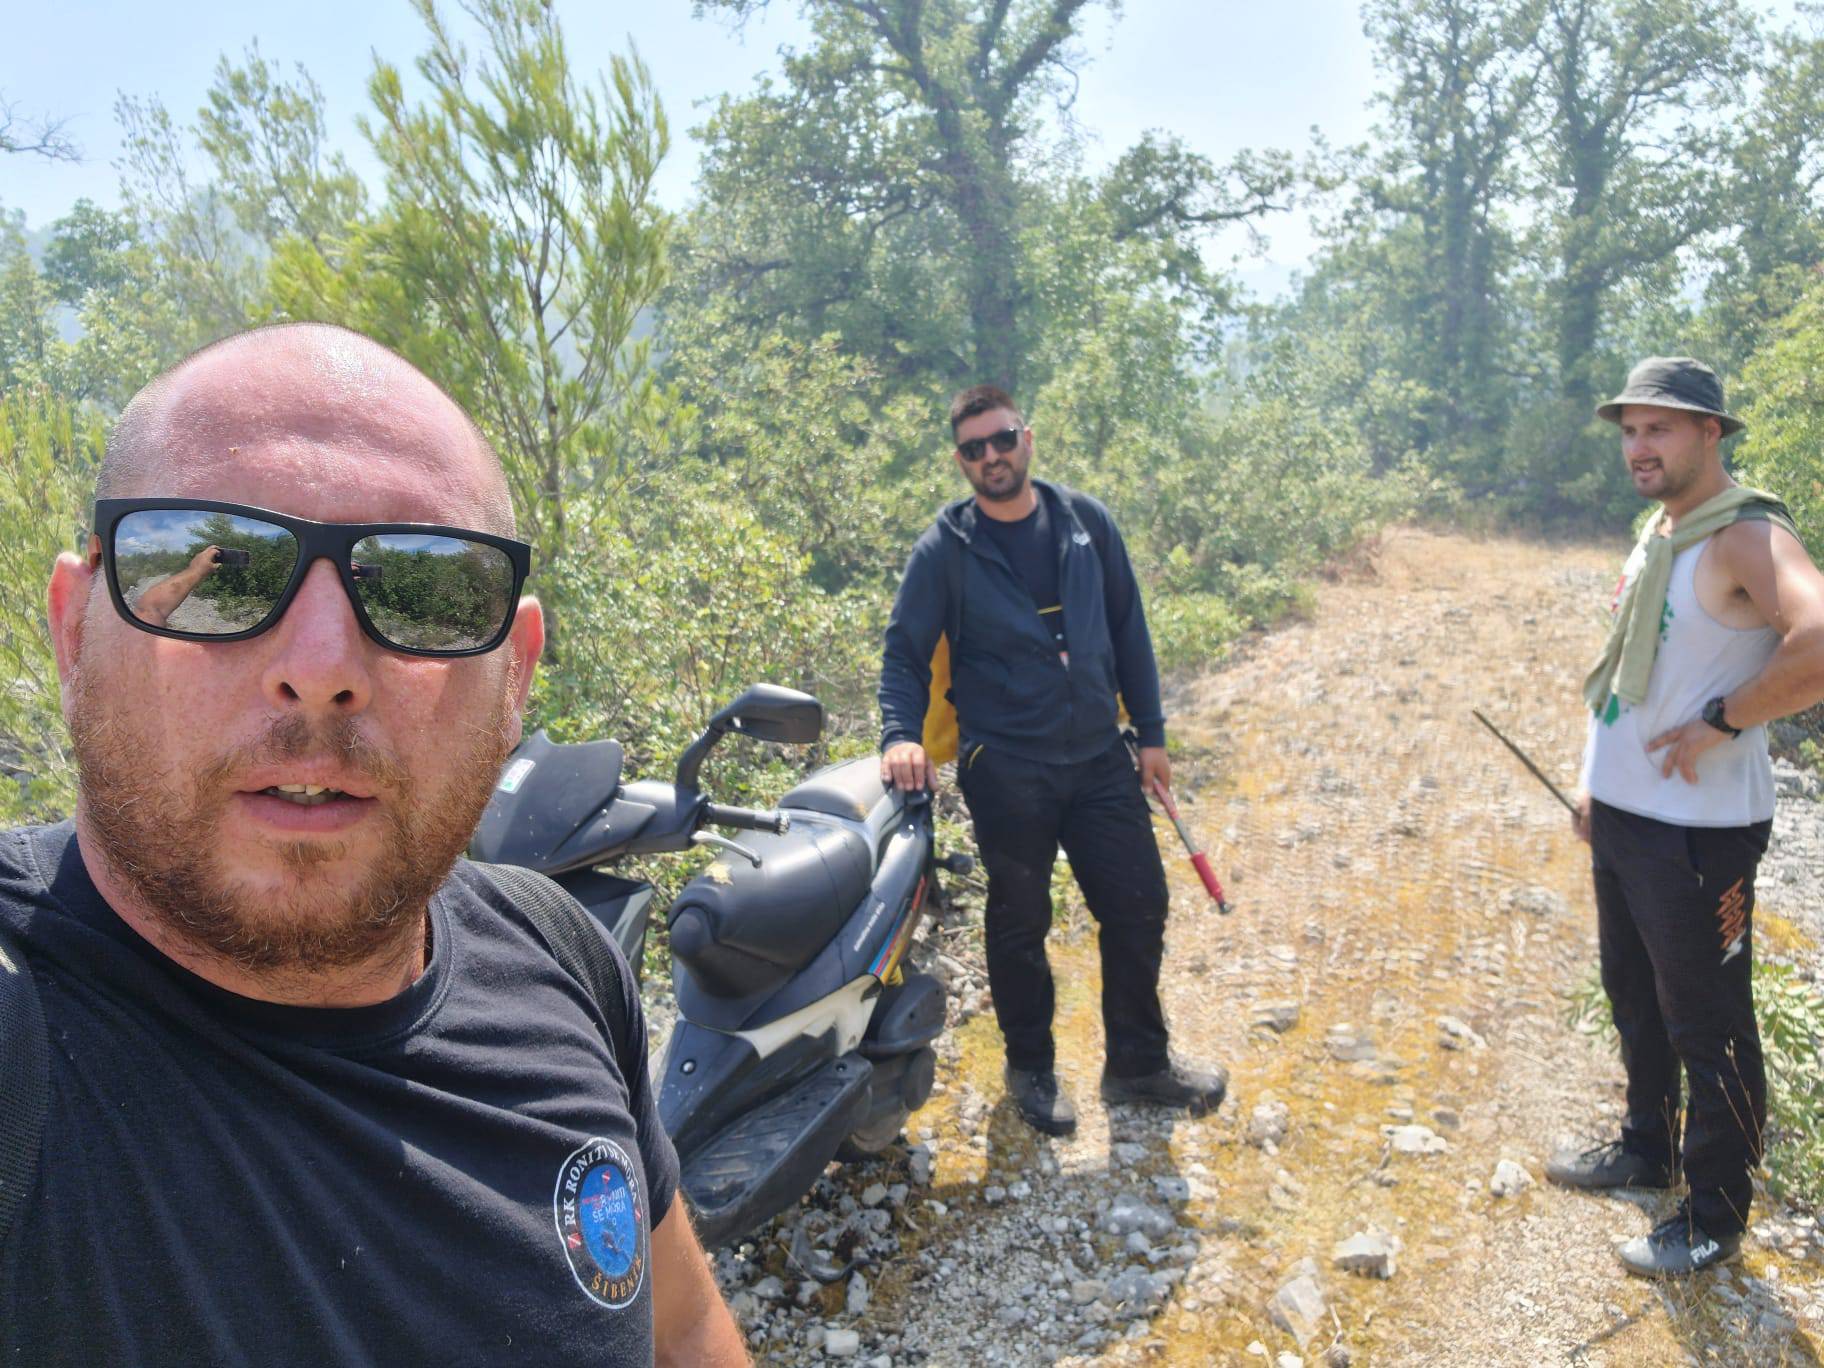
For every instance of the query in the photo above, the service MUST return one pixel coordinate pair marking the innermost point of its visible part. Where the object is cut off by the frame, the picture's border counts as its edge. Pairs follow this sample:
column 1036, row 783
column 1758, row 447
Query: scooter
column 801, row 1036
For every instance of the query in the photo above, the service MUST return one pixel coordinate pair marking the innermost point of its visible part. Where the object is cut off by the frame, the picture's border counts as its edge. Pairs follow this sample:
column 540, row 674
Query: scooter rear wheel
column 869, row 1141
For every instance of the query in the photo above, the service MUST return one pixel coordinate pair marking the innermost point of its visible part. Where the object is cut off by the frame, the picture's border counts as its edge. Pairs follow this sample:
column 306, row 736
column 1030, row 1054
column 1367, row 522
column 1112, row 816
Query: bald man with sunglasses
column 315, row 1089
column 1028, row 583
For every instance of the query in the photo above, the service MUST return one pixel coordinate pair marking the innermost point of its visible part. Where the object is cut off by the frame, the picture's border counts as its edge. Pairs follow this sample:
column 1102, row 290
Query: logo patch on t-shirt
column 601, row 1222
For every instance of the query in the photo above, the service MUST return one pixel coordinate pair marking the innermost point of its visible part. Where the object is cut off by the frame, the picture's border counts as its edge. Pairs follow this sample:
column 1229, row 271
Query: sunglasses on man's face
column 976, row 447
column 200, row 570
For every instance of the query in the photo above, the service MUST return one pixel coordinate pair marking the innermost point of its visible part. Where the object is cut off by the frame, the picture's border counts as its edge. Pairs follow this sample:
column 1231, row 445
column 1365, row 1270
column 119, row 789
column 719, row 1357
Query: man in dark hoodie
column 1029, row 585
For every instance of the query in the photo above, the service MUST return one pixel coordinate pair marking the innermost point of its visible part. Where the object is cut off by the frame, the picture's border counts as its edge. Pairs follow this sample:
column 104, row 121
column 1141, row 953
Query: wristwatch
column 1713, row 714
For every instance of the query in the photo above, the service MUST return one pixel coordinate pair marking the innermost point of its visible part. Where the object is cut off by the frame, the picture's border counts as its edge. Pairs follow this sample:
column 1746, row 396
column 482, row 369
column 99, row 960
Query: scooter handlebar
column 747, row 819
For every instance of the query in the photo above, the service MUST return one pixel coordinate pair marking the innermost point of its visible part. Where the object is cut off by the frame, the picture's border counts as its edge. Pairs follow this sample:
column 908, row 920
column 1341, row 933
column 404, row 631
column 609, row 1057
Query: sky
column 1220, row 76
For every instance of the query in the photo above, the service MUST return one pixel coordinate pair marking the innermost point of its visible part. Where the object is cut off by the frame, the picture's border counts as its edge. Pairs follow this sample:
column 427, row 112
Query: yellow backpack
column 941, row 735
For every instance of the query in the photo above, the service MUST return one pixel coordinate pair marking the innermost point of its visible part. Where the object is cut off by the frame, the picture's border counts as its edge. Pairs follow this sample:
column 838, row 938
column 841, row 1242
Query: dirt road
column 1414, row 912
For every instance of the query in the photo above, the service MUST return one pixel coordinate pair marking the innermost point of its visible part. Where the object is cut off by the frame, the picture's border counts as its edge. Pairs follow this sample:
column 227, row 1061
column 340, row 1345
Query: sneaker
column 1676, row 1248
column 1041, row 1103
column 1192, row 1090
column 1606, row 1166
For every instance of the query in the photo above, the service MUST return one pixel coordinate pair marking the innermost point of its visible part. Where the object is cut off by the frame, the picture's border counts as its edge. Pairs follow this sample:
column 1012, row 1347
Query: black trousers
column 1675, row 917
column 1023, row 811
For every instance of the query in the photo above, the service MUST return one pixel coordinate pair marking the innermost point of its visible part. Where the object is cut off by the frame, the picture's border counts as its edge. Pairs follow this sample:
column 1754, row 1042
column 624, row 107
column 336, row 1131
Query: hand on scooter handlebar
column 747, row 819
column 905, row 766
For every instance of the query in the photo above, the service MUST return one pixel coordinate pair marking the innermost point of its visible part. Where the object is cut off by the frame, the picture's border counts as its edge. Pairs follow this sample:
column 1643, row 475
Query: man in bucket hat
column 1718, row 628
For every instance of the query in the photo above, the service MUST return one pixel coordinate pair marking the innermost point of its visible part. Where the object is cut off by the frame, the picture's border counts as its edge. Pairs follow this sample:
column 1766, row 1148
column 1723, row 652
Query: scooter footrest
column 762, row 1161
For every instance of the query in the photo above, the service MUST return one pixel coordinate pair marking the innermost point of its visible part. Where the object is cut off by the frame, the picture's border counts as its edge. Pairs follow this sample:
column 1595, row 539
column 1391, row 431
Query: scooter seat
column 742, row 930
column 849, row 790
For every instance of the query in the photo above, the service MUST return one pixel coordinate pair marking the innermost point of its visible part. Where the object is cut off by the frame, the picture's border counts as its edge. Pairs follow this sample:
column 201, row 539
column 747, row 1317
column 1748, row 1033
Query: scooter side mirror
column 768, row 712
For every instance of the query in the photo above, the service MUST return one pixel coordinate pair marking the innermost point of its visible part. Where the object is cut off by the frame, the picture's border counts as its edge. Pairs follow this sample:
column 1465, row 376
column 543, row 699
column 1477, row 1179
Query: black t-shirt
column 458, row 1175
column 1032, row 551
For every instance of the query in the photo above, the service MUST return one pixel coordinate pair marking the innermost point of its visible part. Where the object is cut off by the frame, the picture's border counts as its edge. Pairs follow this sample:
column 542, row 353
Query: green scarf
column 1626, row 662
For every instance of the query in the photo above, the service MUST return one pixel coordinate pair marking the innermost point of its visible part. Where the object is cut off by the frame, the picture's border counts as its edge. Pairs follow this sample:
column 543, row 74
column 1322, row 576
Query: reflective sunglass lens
column 430, row 593
column 207, row 574
column 976, row 447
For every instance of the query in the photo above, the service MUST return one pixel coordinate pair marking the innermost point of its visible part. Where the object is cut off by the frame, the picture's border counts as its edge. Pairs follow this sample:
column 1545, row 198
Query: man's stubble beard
column 161, row 844
column 1007, row 495
column 1674, row 486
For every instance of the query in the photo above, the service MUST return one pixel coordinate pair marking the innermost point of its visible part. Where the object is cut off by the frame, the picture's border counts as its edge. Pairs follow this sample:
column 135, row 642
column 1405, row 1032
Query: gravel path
column 1392, row 1000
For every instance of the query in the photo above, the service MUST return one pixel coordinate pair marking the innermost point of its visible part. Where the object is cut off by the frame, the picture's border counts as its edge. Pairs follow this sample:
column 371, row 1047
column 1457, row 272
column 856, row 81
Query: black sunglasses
column 1004, row 441
column 199, row 570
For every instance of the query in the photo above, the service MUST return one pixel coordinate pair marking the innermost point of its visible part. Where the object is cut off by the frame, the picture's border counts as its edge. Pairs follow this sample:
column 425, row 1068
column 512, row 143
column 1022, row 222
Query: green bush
column 49, row 450
column 1190, row 630
column 1791, row 1016
column 1783, row 449
column 678, row 604
column 1792, row 1032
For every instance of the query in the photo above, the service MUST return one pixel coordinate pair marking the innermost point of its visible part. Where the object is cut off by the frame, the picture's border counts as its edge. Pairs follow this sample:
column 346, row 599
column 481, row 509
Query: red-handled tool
column 1199, row 861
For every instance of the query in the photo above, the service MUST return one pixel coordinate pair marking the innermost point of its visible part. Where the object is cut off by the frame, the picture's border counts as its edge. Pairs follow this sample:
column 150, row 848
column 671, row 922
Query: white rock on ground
column 1510, row 1179
column 1539, row 902
column 1278, row 1017
column 919, row 1162
column 1415, row 1139
column 1369, row 1253
column 1455, row 1034
column 1349, row 1045
column 1299, row 1309
column 1269, row 1123
column 1127, row 1213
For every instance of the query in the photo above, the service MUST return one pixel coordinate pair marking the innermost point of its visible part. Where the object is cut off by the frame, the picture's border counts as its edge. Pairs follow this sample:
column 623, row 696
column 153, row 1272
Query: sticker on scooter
column 867, row 929
column 515, row 774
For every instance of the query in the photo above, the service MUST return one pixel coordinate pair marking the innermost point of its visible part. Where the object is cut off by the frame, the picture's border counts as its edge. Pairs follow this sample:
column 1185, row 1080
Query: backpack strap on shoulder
column 25, row 1083
column 953, row 593
column 577, row 943
column 1096, row 528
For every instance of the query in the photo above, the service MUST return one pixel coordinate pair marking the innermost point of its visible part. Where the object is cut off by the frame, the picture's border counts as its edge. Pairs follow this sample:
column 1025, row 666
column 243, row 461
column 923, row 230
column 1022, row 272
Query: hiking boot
column 1676, row 1248
column 1041, row 1103
column 1185, row 1089
column 1606, row 1166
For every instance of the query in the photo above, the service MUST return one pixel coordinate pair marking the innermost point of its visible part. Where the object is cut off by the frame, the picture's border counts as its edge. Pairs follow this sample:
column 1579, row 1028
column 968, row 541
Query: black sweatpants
column 1674, row 913
column 1023, row 810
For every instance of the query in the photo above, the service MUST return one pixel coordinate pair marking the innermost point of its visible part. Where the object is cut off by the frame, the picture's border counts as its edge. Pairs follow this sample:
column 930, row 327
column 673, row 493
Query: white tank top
column 1698, row 659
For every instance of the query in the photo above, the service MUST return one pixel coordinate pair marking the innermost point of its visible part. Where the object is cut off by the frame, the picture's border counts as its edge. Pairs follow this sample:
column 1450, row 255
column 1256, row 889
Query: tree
column 28, row 334
column 1455, row 115
column 518, row 248
column 88, row 251
column 97, row 270
column 1626, row 164
column 266, row 142
column 801, row 434
column 1776, row 193
column 206, row 265
column 37, row 137
column 883, row 190
column 266, row 176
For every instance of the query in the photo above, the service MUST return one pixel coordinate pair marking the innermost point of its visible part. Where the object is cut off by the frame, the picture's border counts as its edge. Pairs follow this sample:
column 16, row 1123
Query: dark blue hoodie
column 1011, row 690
